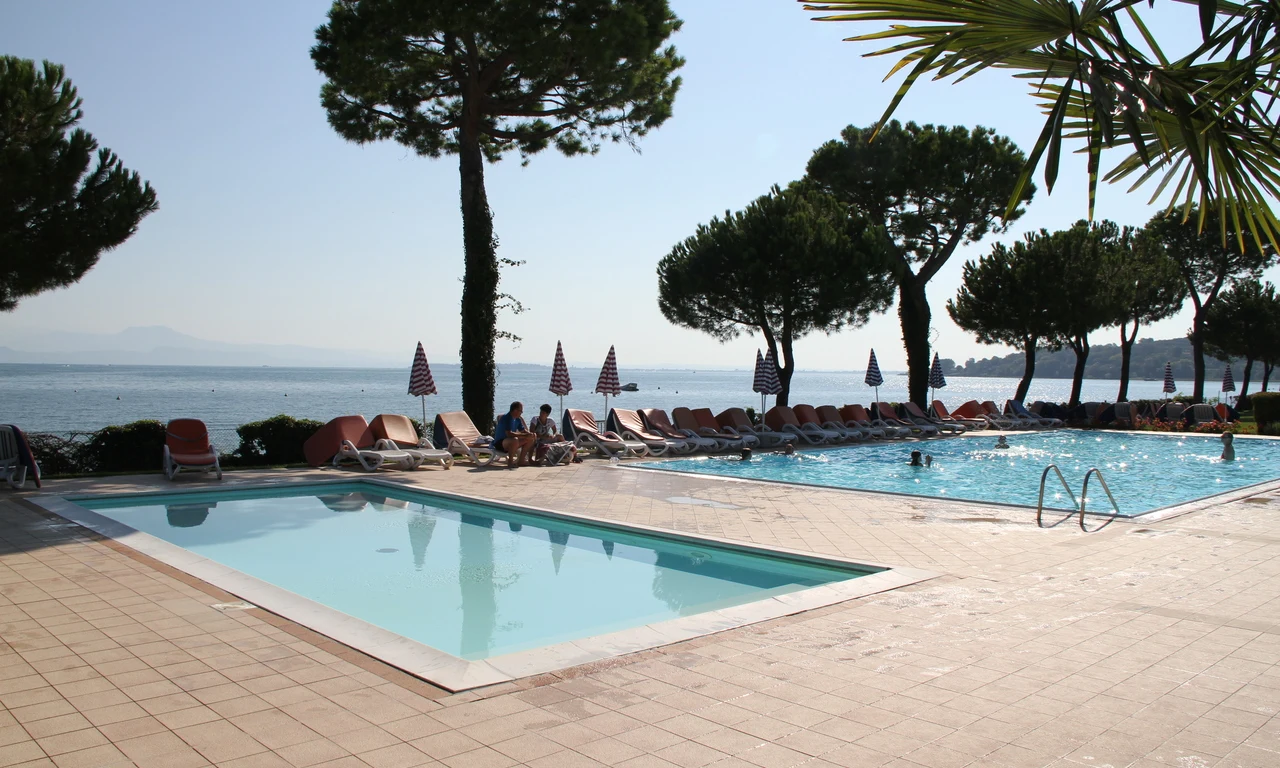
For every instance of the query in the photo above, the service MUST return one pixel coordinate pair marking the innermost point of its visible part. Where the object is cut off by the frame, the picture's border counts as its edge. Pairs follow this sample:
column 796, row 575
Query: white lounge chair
column 920, row 418
column 1016, row 408
column 16, row 461
column 395, row 432
column 582, row 428
column 656, row 420
column 889, row 416
column 349, row 439
column 709, row 426
column 780, row 418
column 628, row 424
column 187, row 446
column 735, row 422
column 687, row 422
column 808, row 417
column 456, row 433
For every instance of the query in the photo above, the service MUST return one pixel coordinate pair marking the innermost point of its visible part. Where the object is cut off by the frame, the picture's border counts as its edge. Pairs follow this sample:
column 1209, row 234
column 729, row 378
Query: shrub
column 1266, row 407
column 56, row 455
column 277, row 440
column 133, row 447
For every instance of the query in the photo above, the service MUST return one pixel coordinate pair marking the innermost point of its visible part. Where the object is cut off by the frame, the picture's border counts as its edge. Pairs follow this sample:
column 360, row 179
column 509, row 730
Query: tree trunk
column 1267, row 368
column 913, row 311
column 1197, row 356
column 1080, row 345
column 1029, row 368
column 1126, row 353
column 479, row 286
column 1248, row 371
column 785, row 370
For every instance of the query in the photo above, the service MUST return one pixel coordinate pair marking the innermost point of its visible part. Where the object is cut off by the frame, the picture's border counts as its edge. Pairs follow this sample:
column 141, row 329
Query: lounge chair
column 1200, row 413
column 657, row 422
column 735, row 422
column 1017, row 409
column 855, row 415
column 837, row 432
column 829, row 414
column 890, row 417
column 186, row 446
column 994, row 417
column 349, row 439
column 1224, row 413
column 1171, row 412
column 395, row 432
column 1093, row 410
column 16, row 460
column 456, row 433
column 710, row 427
column 942, row 415
column 780, row 418
column 1124, row 413
column 581, row 427
column 686, row 421
column 630, row 426
column 914, row 415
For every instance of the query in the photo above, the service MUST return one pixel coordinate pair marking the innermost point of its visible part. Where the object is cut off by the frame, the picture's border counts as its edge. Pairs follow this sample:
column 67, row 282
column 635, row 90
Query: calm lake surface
column 62, row 398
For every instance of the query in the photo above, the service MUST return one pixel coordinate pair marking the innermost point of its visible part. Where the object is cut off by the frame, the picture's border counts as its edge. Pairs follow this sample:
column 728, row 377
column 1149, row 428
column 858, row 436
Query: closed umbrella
column 607, row 384
column 1169, row 386
column 1228, row 381
column 760, row 383
column 420, row 382
column 936, row 379
column 874, row 379
column 771, row 369
column 560, row 384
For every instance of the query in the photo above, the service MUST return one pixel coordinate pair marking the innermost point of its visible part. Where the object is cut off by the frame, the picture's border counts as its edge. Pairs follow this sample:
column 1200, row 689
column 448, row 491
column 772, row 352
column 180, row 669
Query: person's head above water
column 1002, row 442
column 790, row 449
column 916, row 459
column 746, row 454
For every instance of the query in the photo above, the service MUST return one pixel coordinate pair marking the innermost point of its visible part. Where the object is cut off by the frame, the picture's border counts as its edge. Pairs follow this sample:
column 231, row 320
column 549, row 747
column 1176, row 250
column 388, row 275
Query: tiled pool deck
column 1152, row 642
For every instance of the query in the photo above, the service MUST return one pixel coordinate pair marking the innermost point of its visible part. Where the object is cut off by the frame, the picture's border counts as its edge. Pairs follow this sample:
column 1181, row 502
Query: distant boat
column 630, row 386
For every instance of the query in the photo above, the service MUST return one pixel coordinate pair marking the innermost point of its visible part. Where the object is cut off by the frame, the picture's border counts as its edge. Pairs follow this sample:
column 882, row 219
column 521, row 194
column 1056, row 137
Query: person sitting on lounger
column 552, row 448
column 513, row 435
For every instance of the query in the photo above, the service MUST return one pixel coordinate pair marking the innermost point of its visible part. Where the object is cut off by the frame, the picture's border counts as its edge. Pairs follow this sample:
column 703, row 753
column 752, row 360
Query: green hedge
column 1266, row 407
column 277, row 440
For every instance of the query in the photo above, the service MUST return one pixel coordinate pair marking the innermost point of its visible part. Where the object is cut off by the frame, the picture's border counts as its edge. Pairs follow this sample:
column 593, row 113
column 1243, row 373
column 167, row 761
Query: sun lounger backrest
column 829, row 413
column 188, row 436
column 780, row 416
column 886, row 411
column 582, row 421
column 396, row 428
column 1173, row 411
column 1224, row 413
column 970, row 410
column 914, row 411
column 706, row 420
column 847, row 413
column 321, row 447
column 1202, row 413
column 733, row 417
column 628, row 420
column 806, row 414
column 1124, row 411
column 657, row 420
column 8, row 446
column 684, row 418
column 859, row 413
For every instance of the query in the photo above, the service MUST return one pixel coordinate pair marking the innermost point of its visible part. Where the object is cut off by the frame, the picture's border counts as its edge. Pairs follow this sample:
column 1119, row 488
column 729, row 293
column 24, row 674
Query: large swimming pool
column 1145, row 472
column 472, row 580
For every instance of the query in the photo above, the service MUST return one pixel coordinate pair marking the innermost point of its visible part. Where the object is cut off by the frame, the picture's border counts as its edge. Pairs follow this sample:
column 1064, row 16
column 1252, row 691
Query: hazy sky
column 272, row 229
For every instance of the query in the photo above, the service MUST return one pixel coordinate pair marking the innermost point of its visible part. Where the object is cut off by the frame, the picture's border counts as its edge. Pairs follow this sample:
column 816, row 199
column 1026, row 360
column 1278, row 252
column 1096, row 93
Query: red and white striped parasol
column 607, row 384
column 560, row 384
column 420, row 382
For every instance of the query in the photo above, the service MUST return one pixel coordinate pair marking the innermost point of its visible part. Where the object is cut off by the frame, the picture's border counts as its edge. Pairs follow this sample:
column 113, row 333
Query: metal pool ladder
column 1081, row 502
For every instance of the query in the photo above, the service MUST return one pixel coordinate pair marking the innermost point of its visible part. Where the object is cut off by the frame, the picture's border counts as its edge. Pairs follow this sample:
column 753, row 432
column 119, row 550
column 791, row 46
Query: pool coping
column 1157, row 514
column 455, row 674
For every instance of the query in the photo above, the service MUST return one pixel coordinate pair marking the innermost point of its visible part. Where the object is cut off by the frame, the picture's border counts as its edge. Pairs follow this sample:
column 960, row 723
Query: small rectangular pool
column 476, row 581
column 1145, row 472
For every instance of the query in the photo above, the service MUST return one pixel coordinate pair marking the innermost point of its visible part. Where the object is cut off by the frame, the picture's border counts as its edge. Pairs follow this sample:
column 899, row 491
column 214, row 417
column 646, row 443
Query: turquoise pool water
column 1145, row 472
column 471, row 580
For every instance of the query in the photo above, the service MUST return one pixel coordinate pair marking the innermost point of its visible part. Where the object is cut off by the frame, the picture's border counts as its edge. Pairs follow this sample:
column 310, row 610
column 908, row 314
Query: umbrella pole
column 762, row 405
column 423, row 398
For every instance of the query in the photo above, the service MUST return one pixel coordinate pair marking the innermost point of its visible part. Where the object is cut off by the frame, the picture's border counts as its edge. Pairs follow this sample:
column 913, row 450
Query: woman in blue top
column 514, row 437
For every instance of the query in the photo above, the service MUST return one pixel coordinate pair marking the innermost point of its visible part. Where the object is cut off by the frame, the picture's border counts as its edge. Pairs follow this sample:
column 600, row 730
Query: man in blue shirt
column 514, row 437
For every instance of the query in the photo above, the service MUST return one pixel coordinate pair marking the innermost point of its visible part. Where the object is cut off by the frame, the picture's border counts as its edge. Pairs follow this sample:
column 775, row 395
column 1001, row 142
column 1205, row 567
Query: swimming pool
column 1145, row 472
column 478, row 582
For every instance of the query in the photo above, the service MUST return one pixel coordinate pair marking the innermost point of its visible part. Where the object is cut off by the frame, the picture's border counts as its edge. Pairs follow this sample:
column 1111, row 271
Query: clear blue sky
column 272, row 229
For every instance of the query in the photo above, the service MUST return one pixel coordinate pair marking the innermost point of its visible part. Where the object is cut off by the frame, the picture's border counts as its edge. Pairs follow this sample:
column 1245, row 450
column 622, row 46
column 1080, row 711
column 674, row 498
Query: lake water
column 61, row 398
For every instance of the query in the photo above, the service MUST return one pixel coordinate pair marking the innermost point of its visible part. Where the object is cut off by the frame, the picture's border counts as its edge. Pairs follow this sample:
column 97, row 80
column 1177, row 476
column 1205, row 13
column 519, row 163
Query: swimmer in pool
column 915, row 460
column 789, row 450
column 746, row 454
column 1228, row 449
column 1002, row 444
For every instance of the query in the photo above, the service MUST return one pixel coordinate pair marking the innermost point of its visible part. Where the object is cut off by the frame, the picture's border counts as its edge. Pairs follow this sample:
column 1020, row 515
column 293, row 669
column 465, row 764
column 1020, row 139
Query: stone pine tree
column 933, row 188
column 791, row 263
column 482, row 78
column 1209, row 254
column 63, row 201
column 1244, row 323
column 1147, row 287
column 1004, row 299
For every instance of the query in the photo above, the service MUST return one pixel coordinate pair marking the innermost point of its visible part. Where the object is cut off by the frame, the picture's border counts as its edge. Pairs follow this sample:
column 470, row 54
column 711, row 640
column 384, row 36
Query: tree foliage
column 484, row 78
column 933, row 188
column 791, row 263
column 1207, row 264
column 1202, row 122
column 1146, row 286
column 1005, row 298
column 1245, row 322
column 57, row 214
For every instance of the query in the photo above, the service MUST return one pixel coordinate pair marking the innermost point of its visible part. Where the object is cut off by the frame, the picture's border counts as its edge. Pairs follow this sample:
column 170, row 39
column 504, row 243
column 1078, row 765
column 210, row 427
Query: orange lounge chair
column 687, row 422
column 807, row 415
column 991, row 413
column 863, row 418
column 629, row 425
column 456, row 433
column 656, row 419
column 919, row 417
column 856, row 417
column 348, row 438
column 780, row 418
column 581, row 427
column 708, row 426
column 187, row 446
column 941, row 413
column 890, row 417
column 396, row 432
column 735, row 422
column 829, row 414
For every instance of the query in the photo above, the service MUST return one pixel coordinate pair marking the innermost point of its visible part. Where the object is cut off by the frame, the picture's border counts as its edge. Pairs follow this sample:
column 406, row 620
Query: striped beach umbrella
column 420, row 382
column 1228, row 381
column 607, row 384
column 936, row 379
column 560, row 384
column 874, row 379
column 771, row 368
column 760, row 382
column 1169, row 386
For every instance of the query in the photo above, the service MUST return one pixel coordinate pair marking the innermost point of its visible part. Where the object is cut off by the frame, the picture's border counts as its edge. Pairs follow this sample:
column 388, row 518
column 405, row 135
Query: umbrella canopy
column 1228, row 381
column 607, row 384
column 874, row 379
column 936, row 379
column 420, row 382
column 1169, row 386
column 771, row 368
column 560, row 384
column 761, row 381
